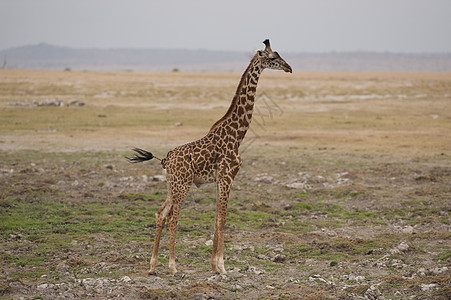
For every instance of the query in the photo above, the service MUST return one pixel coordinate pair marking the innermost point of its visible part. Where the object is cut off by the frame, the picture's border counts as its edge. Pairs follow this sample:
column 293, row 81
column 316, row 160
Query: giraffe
column 213, row 158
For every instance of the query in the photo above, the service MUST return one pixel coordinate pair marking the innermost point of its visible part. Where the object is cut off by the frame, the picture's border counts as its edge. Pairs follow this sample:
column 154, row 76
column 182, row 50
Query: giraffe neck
column 238, row 117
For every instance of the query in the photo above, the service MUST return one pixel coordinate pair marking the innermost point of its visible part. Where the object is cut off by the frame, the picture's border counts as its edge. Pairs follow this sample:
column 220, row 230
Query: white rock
column 373, row 293
column 401, row 248
column 209, row 243
column 318, row 277
column 42, row 287
column 422, row 271
column 428, row 287
column 265, row 178
column 299, row 185
column 356, row 278
column 62, row 267
column 407, row 229
column 270, row 287
column 126, row 279
column 437, row 271
column 254, row 270
column 293, row 280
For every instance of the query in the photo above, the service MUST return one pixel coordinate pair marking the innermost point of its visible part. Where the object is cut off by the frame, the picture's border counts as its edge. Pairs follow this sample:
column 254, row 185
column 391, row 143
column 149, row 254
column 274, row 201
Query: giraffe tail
column 142, row 155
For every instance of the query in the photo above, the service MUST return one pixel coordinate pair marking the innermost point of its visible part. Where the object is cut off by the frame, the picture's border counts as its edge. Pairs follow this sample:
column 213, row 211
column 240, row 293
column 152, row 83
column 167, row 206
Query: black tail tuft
column 142, row 155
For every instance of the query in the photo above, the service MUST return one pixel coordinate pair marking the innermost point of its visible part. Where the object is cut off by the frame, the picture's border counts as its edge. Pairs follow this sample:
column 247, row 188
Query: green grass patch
column 43, row 218
column 22, row 260
column 444, row 256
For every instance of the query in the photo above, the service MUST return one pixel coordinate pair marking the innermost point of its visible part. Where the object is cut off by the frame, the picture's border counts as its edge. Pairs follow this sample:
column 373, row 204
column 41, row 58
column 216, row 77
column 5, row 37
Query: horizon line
column 227, row 51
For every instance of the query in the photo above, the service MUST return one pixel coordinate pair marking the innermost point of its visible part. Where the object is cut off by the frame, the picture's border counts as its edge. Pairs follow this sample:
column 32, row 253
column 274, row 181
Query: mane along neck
column 238, row 116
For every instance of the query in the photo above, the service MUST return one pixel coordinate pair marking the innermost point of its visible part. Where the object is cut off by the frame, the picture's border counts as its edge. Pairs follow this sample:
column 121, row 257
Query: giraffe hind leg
column 179, row 193
column 161, row 218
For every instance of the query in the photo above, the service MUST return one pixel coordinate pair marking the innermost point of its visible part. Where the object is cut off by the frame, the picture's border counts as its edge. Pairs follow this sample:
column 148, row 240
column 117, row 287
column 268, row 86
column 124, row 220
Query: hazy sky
column 301, row 26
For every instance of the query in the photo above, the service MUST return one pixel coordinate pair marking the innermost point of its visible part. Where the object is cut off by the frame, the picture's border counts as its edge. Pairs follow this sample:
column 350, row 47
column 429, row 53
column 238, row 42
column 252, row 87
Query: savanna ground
column 344, row 192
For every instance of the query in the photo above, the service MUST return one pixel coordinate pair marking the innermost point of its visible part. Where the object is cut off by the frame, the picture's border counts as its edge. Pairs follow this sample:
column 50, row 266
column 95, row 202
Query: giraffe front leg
column 227, row 173
column 217, row 256
column 214, row 260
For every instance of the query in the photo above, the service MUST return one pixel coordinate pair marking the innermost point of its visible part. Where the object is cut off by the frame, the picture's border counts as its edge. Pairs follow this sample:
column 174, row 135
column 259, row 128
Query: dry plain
column 344, row 192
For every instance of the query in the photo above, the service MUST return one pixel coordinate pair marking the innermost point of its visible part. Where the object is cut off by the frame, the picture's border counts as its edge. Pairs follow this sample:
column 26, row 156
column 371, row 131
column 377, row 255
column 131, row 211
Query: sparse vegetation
column 345, row 194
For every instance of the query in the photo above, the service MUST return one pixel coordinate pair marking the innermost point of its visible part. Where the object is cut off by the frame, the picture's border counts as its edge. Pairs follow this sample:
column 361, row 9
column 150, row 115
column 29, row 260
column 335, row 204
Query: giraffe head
column 271, row 60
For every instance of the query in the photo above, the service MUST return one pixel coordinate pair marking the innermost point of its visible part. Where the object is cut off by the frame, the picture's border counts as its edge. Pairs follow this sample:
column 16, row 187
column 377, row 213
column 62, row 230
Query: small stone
column 278, row 248
column 126, row 279
column 293, row 280
column 158, row 178
column 422, row 271
column 212, row 278
column 400, row 249
column 407, row 229
column 373, row 292
column 264, row 178
column 62, row 267
column 270, row 287
column 76, row 103
column 254, row 270
column 179, row 275
column 279, row 258
column 438, row 271
column 42, row 287
column 15, row 236
column 428, row 287
column 356, row 278
column 209, row 243
column 299, row 185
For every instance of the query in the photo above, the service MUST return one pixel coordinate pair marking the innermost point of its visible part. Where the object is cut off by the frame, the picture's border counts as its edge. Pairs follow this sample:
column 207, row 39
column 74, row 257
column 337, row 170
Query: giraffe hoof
column 179, row 275
column 153, row 273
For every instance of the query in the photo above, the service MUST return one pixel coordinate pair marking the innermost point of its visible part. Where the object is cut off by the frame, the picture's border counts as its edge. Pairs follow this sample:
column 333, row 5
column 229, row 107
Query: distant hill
column 49, row 57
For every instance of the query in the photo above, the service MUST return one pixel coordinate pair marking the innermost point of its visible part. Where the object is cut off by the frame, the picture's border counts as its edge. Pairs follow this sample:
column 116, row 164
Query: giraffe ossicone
column 213, row 158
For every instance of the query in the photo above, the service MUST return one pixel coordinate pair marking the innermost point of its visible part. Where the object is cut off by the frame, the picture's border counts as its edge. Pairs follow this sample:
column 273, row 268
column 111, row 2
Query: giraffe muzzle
column 287, row 68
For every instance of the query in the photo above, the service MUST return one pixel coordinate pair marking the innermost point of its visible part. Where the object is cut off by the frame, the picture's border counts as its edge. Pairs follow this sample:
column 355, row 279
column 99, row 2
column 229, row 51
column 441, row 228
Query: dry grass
column 398, row 112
